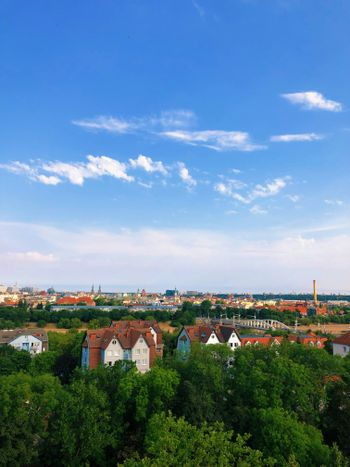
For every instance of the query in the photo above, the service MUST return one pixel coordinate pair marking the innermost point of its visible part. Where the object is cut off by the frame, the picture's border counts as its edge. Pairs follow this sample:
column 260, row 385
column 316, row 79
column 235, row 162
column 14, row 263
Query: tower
column 92, row 289
column 315, row 292
column 99, row 289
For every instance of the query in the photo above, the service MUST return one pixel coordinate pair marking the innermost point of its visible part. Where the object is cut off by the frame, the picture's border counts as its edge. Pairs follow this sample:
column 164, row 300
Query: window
column 236, row 344
column 137, row 351
column 231, row 345
column 109, row 353
column 138, row 362
column 109, row 363
column 141, row 340
column 144, row 361
column 114, row 342
column 145, row 350
column 116, row 353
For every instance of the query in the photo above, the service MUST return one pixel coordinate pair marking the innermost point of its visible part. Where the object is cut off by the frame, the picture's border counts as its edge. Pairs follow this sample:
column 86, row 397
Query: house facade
column 33, row 341
column 207, row 335
column 341, row 345
column 140, row 342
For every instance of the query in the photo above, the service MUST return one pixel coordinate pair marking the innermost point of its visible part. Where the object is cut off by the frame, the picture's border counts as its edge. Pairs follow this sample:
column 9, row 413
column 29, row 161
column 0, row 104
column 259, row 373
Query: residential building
column 207, row 334
column 34, row 341
column 227, row 334
column 138, row 341
column 341, row 345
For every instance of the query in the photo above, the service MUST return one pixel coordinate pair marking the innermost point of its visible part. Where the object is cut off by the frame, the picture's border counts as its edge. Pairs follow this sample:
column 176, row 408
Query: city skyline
column 197, row 145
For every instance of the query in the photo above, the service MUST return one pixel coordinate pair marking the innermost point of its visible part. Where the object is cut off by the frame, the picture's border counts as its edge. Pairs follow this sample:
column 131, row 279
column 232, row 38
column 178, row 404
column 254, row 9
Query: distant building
column 172, row 293
column 33, row 341
column 138, row 341
column 341, row 345
column 75, row 300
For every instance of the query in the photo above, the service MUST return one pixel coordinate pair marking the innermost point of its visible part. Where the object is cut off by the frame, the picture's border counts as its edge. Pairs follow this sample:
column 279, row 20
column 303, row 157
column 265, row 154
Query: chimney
column 315, row 292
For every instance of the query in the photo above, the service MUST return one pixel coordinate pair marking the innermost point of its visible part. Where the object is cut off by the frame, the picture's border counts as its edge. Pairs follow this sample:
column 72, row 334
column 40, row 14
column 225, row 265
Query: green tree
column 278, row 433
column 43, row 362
column 12, row 360
column 26, row 404
column 80, row 428
column 173, row 442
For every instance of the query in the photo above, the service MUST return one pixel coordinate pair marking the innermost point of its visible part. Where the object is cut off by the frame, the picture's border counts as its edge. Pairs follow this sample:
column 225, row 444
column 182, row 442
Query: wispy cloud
column 296, row 137
column 293, row 198
column 106, row 123
column 334, row 202
column 185, row 176
column 219, row 140
column 20, row 168
column 174, row 125
column 257, row 210
column 311, row 100
column 180, row 118
column 199, row 8
column 270, row 189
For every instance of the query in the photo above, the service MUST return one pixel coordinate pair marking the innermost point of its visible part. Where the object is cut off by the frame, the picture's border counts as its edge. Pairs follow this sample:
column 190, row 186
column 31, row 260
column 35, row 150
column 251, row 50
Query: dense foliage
column 287, row 405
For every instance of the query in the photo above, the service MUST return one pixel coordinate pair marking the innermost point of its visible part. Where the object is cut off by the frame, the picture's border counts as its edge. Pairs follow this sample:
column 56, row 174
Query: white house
column 341, row 345
column 33, row 341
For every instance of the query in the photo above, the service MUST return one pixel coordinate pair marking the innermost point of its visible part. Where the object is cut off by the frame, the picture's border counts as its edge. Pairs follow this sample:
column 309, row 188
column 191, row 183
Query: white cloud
column 20, row 168
column 106, row 123
column 231, row 212
column 311, row 100
column 256, row 209
column 259, row 191
column 29, row 256
column 174, row 119
column 218, row 140
column 214, row 260
column 148, row 165
column 296, row 137
column 334, row 202
column 293, row 198
column 180, row 118
column 103, row 165
column 185, row 176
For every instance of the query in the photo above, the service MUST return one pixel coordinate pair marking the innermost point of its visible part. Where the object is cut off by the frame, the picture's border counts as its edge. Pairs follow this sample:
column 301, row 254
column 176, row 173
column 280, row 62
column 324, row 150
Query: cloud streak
column 218, row 140
column 297, row 137
column 272, row 188
column 312, row 100
column 181, row 118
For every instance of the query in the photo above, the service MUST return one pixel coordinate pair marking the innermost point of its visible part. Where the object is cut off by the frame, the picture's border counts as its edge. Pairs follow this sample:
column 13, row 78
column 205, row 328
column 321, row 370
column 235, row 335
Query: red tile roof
column 343, row 340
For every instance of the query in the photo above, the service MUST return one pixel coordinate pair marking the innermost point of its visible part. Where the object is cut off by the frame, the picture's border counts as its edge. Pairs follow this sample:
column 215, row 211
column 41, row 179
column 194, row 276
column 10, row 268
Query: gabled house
column 311, row 340
column 341, row 345
column 33, row 341
column 207, row 335
column 121, row 341
column 141, row 325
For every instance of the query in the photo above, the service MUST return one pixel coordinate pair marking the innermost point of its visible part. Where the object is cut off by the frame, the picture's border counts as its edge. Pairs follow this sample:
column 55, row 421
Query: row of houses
column 228, row 334
column 141, row 342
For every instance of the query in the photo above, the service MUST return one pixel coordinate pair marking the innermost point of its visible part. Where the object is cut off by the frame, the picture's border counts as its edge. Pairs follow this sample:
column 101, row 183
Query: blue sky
column 192, row 143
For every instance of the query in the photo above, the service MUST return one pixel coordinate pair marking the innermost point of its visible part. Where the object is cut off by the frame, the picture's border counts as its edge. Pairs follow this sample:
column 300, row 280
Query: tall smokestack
column 315, row 292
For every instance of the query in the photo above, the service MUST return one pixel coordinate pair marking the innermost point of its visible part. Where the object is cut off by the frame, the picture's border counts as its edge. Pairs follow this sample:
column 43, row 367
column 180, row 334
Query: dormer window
column 114, row 342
